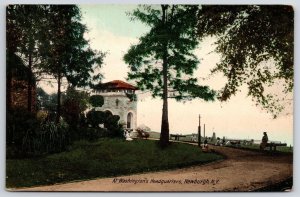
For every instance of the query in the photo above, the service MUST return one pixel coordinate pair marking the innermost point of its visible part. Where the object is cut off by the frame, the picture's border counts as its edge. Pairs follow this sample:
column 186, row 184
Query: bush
column 18, row 123
column 110, row 122
column 116, row 129
column 96, row 100
column 95, row 118
column 52, row 137
column 26, row 136
column 49, row 137
column 71, row 112
column 41, row 115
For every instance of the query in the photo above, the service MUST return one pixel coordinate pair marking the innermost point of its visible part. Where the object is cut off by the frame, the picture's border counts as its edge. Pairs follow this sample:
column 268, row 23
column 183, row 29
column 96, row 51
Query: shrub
column 41, row 115
column 49, row 137
column 110, row 122
column 71, row 112
column 96, row 100
column 95, row 118
column 19, row 122
column 26, row 136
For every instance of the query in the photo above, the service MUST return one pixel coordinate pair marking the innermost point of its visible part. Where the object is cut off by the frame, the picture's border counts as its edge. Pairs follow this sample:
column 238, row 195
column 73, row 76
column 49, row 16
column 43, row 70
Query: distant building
column 120, row 99
column 17, row 86
column 19, row 94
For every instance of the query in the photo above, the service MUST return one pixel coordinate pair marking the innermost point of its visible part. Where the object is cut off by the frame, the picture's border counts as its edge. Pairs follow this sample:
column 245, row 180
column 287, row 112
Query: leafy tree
column 96, row 100
column 74, row 104
column 79, row 95
column 67, row 51
column 162, row 61
column 46, row 101
column 24, row 26
column 248, row 36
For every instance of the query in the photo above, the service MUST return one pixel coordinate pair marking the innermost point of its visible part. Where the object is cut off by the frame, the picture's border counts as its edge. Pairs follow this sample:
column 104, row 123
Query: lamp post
column 199, row 131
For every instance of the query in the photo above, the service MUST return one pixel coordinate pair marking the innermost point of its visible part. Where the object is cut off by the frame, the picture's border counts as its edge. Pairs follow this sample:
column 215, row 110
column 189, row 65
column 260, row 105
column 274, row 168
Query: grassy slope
column 104, row 158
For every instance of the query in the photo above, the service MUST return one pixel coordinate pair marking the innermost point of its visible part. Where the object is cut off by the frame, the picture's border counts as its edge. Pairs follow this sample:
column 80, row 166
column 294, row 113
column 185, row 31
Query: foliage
column 249, row 37
column 41, row 115
column 143, row 131
column 29, row 137
column 46, row 101
column 109, row 121
column 67, row 52
column 176, row 35
column 18, row 122
column 131, row 96
column 75, row 102
column 114, row 127
column 24, row 26
column 96, row 100
column 50, row 39
column 162, row 61
column 144, row 128
column 71, row 112
column 104, row 158
column 49, row 137
column 81, row 96
column 96, row 117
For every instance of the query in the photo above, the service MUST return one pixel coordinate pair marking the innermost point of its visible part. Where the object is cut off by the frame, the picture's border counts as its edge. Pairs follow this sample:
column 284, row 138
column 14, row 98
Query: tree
column 162, row 61
column 74, row 104
column 248, row 36
column 79, row 95
column 46, row 101
column 24, row 26
column 67, row 51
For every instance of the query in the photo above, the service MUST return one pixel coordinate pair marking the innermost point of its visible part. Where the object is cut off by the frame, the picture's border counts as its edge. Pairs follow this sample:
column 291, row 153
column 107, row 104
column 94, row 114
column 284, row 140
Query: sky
column 111, row 30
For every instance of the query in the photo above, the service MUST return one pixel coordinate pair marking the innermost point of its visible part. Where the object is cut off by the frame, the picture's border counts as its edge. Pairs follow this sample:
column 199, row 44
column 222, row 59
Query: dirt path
column 243, row 170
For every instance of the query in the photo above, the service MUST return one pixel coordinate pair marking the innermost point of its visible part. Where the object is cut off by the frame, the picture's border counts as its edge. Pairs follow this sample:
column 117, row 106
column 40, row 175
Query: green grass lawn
column 104, row 158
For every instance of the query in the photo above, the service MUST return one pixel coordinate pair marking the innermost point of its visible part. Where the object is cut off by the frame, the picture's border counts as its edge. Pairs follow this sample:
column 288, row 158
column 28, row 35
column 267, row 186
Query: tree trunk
column 29, row 85
column 58, row 97
column 164, row 133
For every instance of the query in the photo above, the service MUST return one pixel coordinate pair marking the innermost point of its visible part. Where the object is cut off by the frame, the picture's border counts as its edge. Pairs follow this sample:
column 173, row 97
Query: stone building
column 17, row 86
column 120, row 99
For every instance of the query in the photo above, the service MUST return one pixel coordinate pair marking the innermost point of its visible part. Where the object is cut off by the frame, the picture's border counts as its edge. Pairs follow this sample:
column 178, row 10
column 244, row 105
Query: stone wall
column 119, row 104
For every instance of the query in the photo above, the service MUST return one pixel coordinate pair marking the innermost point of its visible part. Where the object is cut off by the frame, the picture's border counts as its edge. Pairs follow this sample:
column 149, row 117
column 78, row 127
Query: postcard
column 149, row 98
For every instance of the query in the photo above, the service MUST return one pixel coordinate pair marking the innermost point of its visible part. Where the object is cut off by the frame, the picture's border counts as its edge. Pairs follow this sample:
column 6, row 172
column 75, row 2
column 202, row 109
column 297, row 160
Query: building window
column 129, row 120
column 117, row 102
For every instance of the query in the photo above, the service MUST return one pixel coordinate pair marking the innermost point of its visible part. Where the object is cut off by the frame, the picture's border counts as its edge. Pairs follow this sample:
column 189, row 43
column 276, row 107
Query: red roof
column 116, row 84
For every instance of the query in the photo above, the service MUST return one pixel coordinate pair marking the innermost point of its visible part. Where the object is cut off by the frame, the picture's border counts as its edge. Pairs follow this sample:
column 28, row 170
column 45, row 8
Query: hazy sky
column 111, row 30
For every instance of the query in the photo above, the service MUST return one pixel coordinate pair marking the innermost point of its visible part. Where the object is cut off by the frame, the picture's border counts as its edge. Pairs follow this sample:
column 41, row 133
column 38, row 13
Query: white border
column 295, row 3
